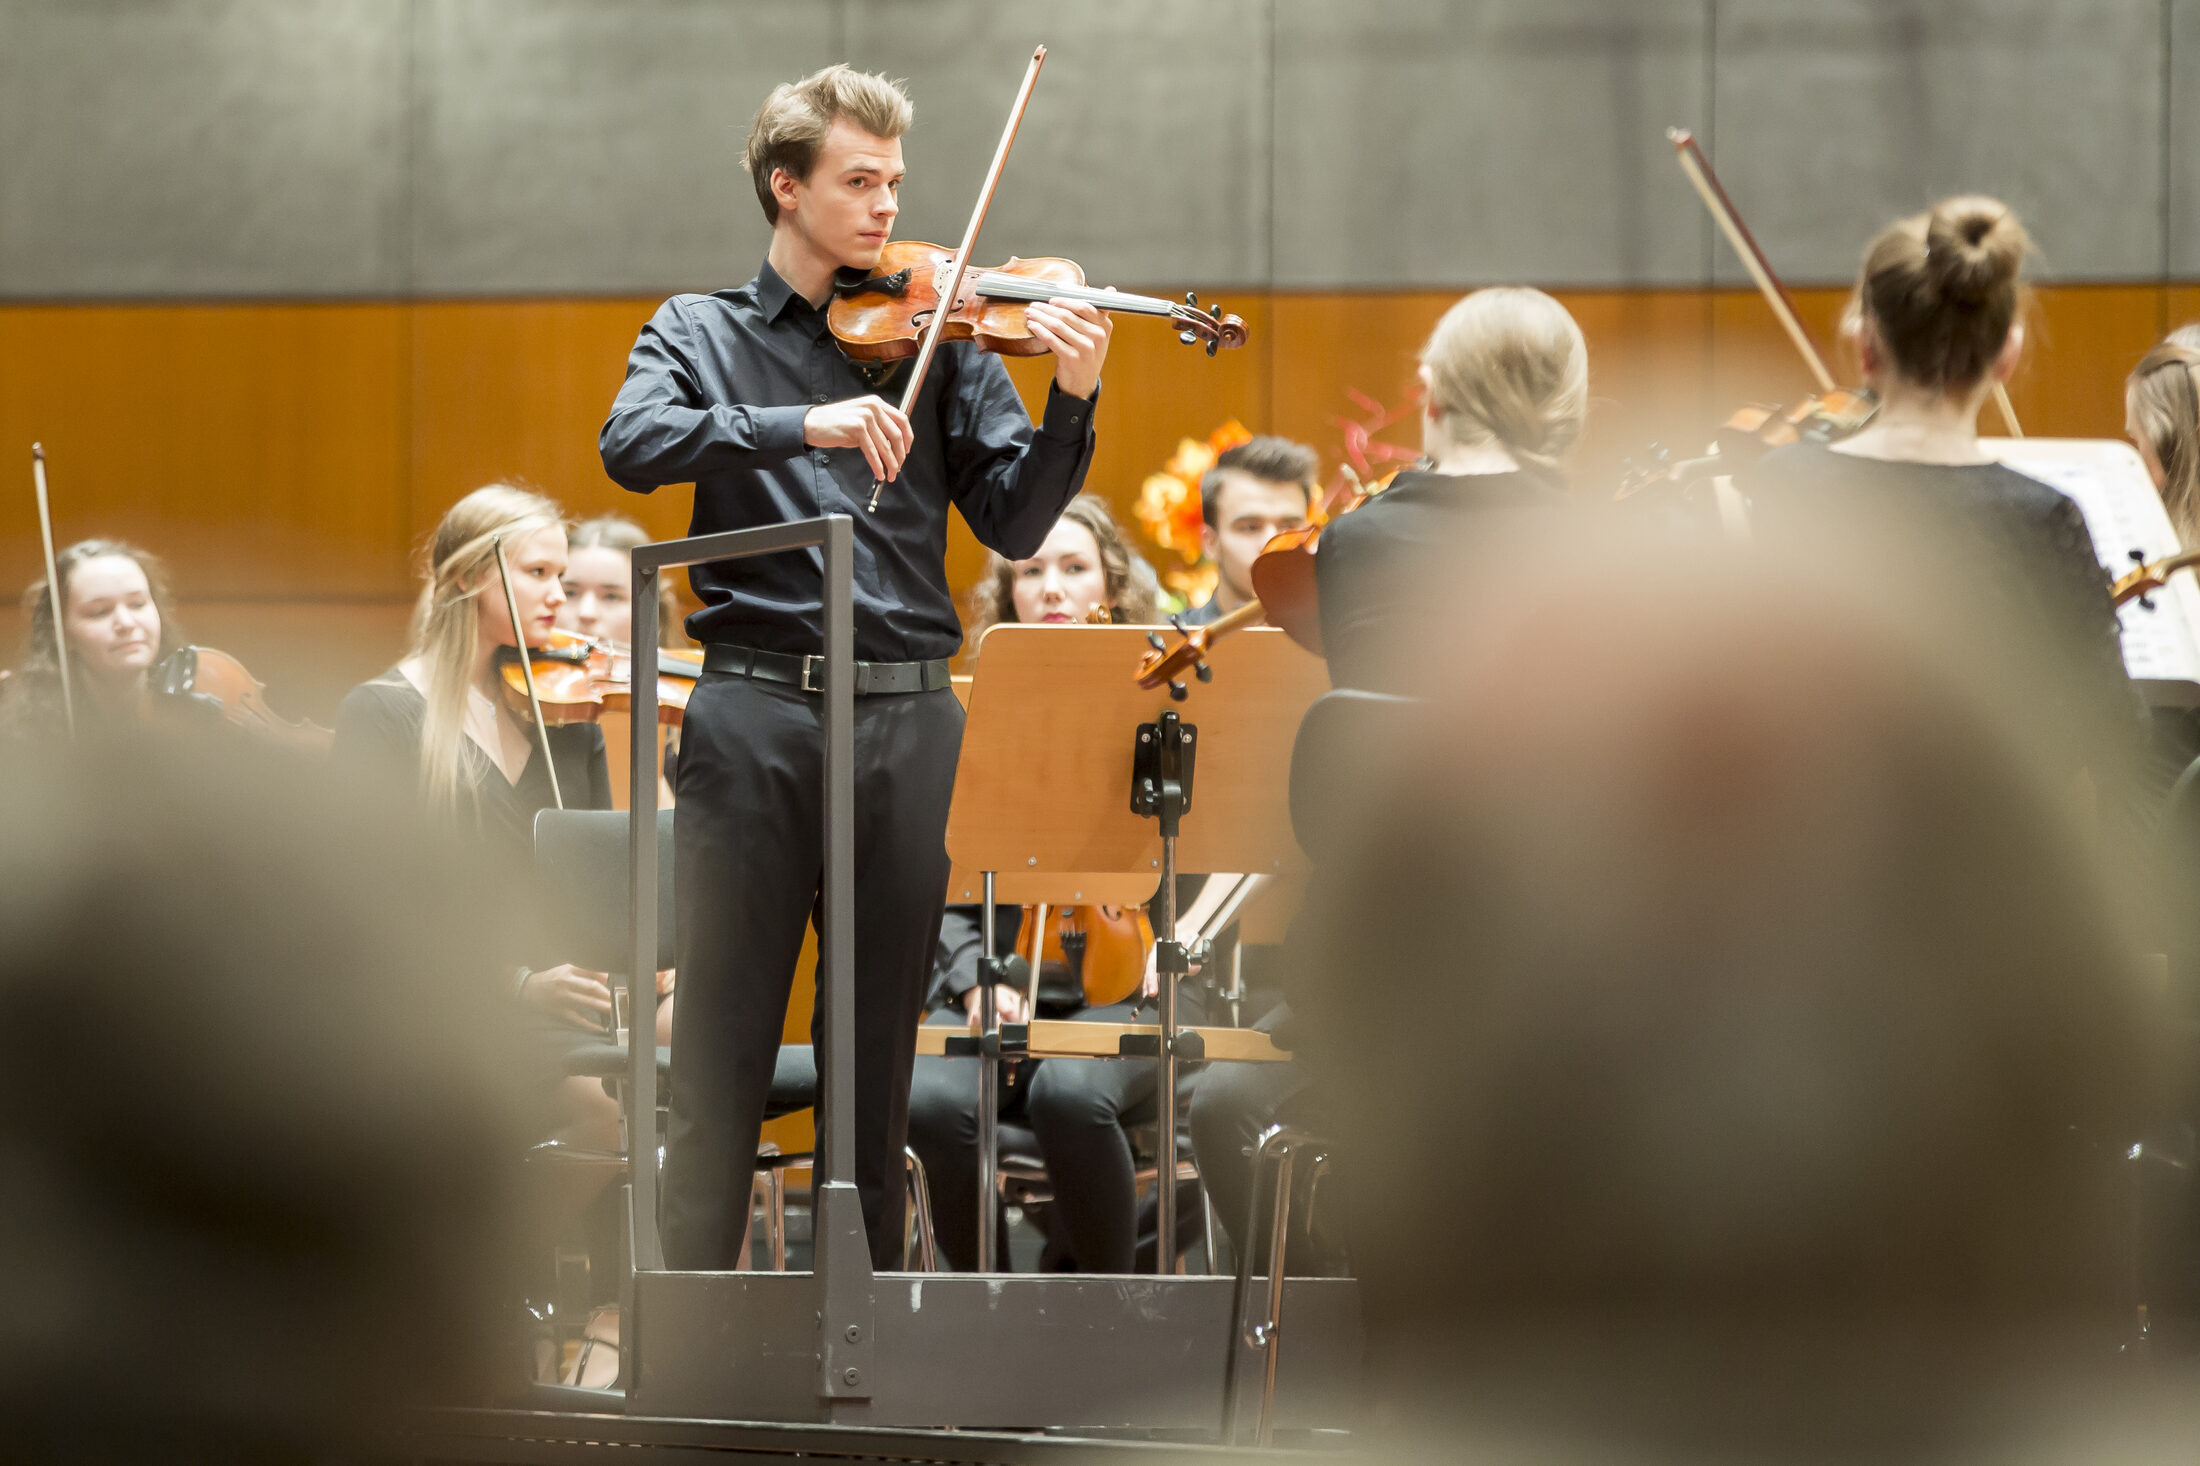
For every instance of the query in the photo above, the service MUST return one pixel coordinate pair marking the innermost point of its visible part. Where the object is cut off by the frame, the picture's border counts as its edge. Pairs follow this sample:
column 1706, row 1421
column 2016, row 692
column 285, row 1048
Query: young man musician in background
column 746, row 393
column 1255, row 492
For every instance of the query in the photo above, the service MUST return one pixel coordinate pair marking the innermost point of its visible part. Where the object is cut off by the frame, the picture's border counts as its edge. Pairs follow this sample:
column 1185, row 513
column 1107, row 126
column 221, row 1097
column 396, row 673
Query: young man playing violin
column 746, row 393
column 1255, row 492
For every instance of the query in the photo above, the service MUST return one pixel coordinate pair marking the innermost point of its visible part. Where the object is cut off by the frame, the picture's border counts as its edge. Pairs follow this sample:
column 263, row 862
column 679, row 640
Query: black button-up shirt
column 716, row 390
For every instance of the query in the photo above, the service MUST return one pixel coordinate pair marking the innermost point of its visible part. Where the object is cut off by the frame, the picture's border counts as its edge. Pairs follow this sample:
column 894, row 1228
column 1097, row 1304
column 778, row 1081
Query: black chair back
column 1342, row 745
column 580, row 863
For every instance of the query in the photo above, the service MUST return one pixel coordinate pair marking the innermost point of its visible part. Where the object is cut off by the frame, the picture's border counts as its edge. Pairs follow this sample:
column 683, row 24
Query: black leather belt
column 808, row 673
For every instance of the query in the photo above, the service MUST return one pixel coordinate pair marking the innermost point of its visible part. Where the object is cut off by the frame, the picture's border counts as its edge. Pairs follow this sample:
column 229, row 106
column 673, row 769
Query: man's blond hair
column 792, row 123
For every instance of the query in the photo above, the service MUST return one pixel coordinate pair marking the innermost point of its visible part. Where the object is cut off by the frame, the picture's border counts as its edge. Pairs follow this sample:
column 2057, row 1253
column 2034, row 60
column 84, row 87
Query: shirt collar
column 773, row 293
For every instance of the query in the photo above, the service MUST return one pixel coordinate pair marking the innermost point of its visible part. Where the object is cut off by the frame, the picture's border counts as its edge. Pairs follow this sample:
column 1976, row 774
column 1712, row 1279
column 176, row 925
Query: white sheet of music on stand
column 2123, row 513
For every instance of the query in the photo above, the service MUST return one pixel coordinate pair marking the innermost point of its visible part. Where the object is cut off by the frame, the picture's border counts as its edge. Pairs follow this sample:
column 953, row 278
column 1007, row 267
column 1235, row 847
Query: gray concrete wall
column 341, row 148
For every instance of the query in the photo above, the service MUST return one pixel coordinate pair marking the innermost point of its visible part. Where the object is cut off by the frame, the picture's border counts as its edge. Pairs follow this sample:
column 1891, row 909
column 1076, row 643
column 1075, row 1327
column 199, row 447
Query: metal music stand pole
column 1161, row 788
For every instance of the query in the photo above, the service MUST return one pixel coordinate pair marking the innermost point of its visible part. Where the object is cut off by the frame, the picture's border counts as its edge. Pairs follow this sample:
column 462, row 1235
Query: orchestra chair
column 1021, row 1175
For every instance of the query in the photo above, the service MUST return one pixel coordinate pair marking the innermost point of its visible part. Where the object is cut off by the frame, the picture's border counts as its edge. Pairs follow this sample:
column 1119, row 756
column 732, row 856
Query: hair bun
column 1974, row 247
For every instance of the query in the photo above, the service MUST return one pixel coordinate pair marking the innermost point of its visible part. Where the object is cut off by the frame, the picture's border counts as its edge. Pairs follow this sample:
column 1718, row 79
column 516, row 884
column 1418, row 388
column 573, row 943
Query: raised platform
column 1014, row 1351
column 554, row 1438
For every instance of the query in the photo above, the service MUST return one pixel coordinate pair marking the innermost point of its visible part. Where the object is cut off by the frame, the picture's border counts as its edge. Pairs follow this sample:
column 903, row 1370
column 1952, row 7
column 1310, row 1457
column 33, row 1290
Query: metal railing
column 842, row 1270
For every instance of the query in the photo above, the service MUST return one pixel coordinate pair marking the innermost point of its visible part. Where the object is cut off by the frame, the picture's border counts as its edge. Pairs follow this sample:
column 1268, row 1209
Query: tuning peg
column 1214, row 345
column 2138, row 557
column 1186, row 337
column 1191, row 298
column 1204, row 672
column 1176, row 619
column 1178, row 692
column 1153, row 639
column 2146, row 603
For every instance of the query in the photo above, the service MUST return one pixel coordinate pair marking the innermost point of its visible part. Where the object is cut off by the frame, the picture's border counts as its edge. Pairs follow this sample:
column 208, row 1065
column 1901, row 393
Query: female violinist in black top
column 1075, row 1108
column 1936, row 316
column 118, row 621
column 1505, row 389
column 439, row 725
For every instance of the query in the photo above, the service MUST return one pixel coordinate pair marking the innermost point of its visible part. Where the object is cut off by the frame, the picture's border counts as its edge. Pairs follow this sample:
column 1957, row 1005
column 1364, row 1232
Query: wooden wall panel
column 262, row 449
column 286, row 458
column 2082, row 341
column 518, row 390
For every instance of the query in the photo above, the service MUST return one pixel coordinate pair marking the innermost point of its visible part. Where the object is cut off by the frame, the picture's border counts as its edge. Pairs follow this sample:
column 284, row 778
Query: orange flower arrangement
column 1169, row 512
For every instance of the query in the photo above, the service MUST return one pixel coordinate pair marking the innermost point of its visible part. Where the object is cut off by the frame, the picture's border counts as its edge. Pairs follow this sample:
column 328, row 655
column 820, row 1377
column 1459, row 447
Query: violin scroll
column 1165, row 665
column 2145, row 577
column 1210, row 324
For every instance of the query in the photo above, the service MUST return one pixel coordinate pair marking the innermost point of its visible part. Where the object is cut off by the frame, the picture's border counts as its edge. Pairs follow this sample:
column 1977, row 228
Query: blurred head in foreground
column 256, row 1112
column 1727, row 1030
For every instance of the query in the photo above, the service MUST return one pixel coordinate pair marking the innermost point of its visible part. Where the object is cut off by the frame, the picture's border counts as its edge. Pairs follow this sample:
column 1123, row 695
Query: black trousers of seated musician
column 1076, row 1109
column 748, row 863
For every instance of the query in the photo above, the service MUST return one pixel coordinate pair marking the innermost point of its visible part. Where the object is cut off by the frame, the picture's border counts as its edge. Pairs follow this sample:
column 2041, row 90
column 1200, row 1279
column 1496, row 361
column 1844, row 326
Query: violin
column 885, row 316
column 678, row 670
column 2147, row 577
column 1283, row 572
column 1752, row 432
column 1283, row 575
column 579, row 678
column 565, row 673
column 204, row 678
column 1102, row 948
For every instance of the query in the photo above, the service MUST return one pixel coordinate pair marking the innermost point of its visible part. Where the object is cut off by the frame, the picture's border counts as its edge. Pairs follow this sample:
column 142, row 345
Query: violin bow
column 946, row 308
column 527, row 672
column 53, row 585
column 1697, row 169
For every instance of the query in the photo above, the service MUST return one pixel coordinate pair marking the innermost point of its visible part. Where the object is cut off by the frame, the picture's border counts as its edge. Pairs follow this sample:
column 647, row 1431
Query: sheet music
column 2123, row 513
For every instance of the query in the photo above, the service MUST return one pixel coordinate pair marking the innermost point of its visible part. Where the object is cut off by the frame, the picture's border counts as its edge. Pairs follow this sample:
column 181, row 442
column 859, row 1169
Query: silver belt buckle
column 809, row 665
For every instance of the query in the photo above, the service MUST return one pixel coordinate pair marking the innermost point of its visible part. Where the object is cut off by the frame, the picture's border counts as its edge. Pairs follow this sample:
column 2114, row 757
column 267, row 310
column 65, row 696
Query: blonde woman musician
column 1505, row 390
column 2162, row 418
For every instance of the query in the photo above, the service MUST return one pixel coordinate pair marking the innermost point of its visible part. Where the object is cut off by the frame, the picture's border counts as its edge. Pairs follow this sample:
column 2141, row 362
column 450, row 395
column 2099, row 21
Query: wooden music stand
column 1044, row 790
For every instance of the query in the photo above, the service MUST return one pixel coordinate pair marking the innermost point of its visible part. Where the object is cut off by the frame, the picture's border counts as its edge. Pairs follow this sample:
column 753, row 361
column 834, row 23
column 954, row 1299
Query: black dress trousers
column 748, row 863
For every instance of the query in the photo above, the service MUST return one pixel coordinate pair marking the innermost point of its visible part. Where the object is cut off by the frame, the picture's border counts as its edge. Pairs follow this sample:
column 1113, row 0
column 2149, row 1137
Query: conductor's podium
column 1054, row 717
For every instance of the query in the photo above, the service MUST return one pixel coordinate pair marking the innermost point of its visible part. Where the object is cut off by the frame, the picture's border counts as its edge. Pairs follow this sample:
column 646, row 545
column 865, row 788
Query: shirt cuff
column 779, row 430
column 1066, row 416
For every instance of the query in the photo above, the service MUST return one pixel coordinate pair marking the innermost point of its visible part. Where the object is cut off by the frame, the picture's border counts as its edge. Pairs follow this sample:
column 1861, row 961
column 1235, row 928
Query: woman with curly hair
column 1085, row 565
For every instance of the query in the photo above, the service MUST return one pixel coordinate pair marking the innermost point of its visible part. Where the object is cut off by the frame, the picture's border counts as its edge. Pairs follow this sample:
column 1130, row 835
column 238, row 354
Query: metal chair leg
column 1262, row 1148
column 1207, row 1231
column 920, row 1208
column 1284, row 1145
column 779, row 1219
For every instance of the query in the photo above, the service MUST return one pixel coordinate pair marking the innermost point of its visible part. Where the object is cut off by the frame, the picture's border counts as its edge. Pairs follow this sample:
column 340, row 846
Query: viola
column 885, row 316
column 205, row 678
column 2143, row 579
column 1102, row 948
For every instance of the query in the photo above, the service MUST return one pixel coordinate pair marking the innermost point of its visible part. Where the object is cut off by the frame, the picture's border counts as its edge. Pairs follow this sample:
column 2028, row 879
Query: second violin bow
column 963, row 256
column 53, row 585
column 1697, row 169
